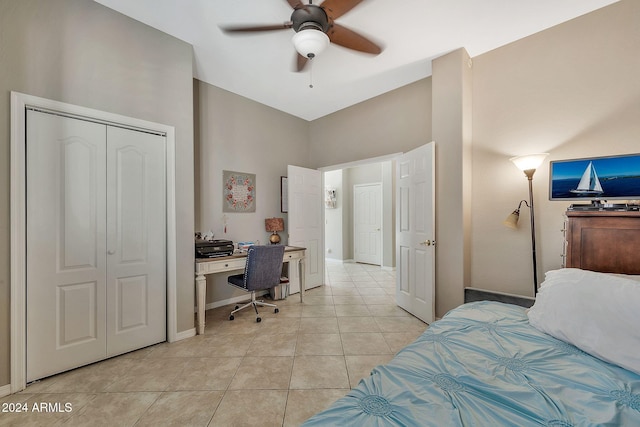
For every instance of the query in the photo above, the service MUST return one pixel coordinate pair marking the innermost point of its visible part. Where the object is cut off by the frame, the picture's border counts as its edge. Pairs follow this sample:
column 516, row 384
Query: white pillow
column 596, row 312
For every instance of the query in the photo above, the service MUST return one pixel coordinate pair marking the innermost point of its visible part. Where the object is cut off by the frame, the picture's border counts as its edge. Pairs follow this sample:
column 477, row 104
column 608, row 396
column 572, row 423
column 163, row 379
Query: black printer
column 213, row 248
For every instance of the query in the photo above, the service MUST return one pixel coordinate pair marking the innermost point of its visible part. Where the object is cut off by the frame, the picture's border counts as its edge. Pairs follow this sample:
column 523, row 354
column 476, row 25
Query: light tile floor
column 277, row 372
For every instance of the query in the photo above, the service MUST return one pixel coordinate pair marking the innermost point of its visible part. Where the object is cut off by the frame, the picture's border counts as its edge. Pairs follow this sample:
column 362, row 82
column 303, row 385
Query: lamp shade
column 512, row 220
column 310, row 42
column 529, row 161
column 274, row 224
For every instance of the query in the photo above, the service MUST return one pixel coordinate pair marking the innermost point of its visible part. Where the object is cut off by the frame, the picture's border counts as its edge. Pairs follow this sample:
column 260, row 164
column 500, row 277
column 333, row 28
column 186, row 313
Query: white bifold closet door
column 96, row 239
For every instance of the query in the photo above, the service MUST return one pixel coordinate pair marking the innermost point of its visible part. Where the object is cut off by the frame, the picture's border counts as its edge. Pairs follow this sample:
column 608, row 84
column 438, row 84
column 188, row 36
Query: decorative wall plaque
column 239, row 192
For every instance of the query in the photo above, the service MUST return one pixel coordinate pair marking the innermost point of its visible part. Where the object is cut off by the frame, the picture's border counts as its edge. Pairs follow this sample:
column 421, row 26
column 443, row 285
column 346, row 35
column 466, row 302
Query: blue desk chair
column 262, row 271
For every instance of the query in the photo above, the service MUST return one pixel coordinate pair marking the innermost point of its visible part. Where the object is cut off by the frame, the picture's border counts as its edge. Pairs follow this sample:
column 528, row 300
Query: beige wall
column 451, row 119
column 335, row 219
column 237, row 134
column 572, row 91
column 393, row 122
column 79, row 52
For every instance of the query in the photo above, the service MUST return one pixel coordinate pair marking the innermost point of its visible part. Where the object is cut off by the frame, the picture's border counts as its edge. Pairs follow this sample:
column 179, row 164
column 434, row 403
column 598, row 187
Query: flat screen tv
column 596, row 178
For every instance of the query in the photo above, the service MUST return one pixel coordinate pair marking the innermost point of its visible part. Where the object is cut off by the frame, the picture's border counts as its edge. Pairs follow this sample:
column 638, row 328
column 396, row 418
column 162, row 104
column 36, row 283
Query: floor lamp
column 528, row 164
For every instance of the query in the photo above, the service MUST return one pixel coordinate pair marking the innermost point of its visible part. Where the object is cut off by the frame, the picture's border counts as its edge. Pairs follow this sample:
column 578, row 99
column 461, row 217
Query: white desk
column 204, row 266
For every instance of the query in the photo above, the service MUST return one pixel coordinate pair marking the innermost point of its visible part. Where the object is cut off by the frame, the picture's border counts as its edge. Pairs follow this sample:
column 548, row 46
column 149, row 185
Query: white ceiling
column 259, row 66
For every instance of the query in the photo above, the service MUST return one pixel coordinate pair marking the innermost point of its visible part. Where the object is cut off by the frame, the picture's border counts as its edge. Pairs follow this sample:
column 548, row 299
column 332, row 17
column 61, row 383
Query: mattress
column 484, row 365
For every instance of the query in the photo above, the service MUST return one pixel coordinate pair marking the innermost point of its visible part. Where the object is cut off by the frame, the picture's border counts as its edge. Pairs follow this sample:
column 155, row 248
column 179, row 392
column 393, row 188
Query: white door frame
column 19, row 102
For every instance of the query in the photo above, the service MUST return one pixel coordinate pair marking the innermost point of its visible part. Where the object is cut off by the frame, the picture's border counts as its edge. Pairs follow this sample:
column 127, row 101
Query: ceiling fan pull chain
column 310, row 73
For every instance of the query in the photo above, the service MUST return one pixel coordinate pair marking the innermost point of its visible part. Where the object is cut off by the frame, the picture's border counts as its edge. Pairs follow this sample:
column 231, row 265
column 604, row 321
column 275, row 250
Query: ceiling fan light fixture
column 310, row 42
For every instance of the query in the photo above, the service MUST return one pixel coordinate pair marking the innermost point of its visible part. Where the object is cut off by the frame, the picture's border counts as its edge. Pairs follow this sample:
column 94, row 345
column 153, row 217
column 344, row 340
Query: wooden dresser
column 603, row 241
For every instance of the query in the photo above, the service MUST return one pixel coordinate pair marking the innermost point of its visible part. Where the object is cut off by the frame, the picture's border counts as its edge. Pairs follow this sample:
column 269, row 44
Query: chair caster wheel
column 258, row 319
column 237, row 307
column 231, row 317
column 276, row 311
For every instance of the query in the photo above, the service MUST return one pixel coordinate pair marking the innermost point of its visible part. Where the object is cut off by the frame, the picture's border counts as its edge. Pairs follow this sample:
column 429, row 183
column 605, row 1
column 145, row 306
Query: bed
column 573, row 359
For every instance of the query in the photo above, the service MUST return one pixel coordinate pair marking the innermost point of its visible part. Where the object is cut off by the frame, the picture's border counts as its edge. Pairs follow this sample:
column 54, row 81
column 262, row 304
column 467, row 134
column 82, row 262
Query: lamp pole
column 529, row 173
column 528, row 165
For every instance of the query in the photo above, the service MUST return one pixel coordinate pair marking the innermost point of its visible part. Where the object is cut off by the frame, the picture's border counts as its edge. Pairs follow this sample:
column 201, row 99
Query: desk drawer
column 293, row 255
column 220, row 266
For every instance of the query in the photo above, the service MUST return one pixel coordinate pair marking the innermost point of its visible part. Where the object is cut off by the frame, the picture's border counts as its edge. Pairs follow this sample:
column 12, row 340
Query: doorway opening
column 408, row 218
column 340, row 180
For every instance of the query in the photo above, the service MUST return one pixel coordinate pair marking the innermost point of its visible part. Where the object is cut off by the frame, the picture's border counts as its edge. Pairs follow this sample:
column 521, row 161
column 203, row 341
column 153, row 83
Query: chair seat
column 237, row 280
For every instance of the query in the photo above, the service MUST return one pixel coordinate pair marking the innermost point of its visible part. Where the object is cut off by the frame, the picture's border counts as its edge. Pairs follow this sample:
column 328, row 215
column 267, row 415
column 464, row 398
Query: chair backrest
column 264, row 267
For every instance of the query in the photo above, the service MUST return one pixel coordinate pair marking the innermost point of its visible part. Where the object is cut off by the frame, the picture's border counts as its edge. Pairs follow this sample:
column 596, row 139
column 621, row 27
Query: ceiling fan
column 315, row 28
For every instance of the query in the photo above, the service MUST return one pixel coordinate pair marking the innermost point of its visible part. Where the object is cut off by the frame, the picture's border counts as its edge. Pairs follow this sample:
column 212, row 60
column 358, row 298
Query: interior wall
column 389, row 214
column 79, row 52
column 393, row 122
column 572, row 91
column 237, row 134
column 452, row 95
column 333, row 217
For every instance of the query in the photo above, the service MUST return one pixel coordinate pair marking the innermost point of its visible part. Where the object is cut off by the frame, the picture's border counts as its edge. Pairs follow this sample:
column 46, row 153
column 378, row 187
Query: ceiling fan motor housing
column 310, row 17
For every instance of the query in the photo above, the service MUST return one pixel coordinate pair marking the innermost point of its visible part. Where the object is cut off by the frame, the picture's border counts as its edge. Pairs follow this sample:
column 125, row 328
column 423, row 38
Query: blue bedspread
column 484, row 365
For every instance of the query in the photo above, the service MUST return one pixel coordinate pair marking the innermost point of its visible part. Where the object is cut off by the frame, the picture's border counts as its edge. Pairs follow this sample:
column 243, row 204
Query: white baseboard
column 185, row 334
column 5, row 390
column 339, row 261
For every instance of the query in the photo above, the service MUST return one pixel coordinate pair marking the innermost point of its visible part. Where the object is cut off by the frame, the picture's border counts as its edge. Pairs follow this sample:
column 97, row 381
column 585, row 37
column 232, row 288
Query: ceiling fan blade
column 350, row 39
column 301, row 62
column 337, row 8
column 296, row 4
column 255, row 28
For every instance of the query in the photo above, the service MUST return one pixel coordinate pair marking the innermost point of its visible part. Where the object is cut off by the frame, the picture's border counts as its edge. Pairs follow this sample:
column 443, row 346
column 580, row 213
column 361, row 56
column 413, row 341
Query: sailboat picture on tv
column 589, row 184
column 598, row 178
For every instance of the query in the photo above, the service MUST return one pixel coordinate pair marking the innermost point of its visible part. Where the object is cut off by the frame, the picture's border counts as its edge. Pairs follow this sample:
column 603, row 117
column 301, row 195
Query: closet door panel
column 96, row 242
column 66, row 266
column 136, row 236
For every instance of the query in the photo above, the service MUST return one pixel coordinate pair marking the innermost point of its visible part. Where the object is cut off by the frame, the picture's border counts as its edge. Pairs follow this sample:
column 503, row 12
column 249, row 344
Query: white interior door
column 66, row 243
column 305, row 221
column 136, row 273
column 96, row 275
column 367, row 223
column 415, row 235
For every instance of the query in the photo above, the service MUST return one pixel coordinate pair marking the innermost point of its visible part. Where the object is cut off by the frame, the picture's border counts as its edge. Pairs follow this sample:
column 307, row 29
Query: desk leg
column 301, row 276
column 201, row 289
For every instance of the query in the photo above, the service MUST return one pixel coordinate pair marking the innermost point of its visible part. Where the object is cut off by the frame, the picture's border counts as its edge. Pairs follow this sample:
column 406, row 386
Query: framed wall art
column 239, row 192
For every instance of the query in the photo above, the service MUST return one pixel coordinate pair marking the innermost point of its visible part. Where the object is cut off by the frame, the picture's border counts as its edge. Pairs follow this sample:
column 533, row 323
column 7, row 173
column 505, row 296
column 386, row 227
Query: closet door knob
column 111, row 252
